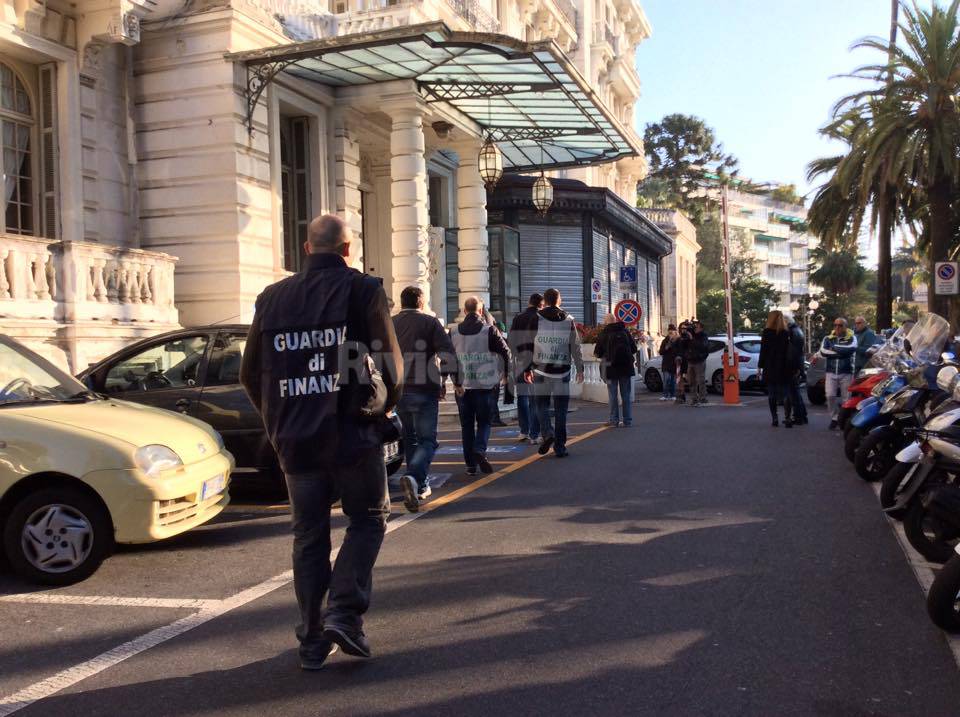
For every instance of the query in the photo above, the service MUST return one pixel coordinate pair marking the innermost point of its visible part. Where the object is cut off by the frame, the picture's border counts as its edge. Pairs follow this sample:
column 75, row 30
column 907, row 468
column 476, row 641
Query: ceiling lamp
column 490, row 163
column 542, row 194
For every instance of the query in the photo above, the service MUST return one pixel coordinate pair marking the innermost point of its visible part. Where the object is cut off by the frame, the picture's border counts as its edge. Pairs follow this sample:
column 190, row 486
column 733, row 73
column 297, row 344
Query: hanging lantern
column 542, row 194
column 490, row 163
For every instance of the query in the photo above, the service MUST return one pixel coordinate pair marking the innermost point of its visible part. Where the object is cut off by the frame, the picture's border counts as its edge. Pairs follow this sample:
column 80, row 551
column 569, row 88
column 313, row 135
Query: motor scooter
column 868, row 413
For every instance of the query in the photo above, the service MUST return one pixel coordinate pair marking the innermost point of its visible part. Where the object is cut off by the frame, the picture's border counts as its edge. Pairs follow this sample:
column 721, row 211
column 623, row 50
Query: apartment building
column 775, row 237
column 162, row 158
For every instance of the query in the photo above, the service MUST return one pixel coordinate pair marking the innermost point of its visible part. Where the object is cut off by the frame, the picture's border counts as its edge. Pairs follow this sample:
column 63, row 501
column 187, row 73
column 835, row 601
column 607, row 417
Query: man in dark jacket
column 300, row 374
column 865, row 339
column 697, row 351
column 616, row 350
column 520, row 339
column 556, row 345
column 795, row 362
column 428, row 357
column 484, row 359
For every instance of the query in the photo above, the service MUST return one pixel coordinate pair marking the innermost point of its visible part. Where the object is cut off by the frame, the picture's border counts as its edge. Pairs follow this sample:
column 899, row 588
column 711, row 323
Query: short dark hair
column 410, row 297
column 536, row 299
column 551, row 297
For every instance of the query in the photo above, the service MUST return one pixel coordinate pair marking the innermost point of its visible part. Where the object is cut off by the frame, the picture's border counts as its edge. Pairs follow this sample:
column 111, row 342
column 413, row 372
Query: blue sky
column 757, row 71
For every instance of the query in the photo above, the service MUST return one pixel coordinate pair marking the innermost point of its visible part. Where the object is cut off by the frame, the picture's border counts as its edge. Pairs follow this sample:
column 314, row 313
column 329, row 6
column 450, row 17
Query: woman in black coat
column 774, row 365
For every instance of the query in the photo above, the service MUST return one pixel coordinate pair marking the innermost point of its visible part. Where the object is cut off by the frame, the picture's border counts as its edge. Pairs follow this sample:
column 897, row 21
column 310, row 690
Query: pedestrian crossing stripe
column 457, row 450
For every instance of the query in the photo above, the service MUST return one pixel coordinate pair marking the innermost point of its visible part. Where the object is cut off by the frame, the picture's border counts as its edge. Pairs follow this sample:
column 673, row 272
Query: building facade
column 162, row 158
column 679, row 269
column 775, row 237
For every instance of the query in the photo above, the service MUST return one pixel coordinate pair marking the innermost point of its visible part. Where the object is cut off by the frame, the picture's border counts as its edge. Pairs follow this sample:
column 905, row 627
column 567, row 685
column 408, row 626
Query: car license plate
column 391, row 450
column 213, row 487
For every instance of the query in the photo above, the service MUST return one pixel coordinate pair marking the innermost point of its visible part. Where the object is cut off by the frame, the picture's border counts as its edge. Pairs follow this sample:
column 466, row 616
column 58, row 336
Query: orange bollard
column 731, row 379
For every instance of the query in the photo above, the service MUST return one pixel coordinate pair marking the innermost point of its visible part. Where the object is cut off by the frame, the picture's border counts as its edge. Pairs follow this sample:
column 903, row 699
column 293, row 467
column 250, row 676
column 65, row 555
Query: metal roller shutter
column 553, row 257
column 616, row 261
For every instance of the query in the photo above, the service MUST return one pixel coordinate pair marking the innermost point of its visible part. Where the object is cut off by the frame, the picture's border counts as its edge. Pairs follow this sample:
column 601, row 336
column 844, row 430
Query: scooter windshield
column 926, row 338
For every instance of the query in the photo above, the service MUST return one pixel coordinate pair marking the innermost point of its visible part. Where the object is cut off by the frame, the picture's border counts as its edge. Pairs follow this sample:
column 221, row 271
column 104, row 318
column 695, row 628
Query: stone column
column 474, row 255
column 408, row 201
column 346, row 159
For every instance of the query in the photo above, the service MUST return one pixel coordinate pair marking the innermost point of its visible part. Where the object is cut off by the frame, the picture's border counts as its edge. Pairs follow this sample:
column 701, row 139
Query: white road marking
column 211, row 610
column 108, row 601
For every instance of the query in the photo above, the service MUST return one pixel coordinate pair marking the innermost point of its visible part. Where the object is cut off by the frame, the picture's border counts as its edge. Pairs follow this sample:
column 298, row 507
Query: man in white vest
column 483, row 356
column 556, row 345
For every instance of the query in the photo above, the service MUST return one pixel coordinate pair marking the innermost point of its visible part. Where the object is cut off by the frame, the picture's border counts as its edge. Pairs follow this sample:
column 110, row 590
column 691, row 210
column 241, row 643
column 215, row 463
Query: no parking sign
column 628, row 311
column 946, row 282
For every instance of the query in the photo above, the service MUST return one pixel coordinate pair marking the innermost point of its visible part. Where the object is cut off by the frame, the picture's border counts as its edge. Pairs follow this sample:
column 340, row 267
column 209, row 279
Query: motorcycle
column 896, row 423
column 869, row 413
column 932, row 520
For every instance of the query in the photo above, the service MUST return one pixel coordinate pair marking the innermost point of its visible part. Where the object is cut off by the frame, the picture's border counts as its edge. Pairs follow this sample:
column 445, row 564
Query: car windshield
column 25, row 377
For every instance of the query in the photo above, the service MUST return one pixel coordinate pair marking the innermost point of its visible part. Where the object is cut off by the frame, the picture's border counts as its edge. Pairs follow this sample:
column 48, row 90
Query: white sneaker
column 524, row 438
column 426, row 492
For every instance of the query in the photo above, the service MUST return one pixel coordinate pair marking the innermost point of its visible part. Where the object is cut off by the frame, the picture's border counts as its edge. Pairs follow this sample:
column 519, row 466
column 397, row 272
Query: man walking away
column 795, row 357
column 616, row 350
column 698, row 349
column 839, row 349
column 865, row 339
column 520, row 340
column 296, row 373
column 556, row 344
column 484, row 357
column 428, row 357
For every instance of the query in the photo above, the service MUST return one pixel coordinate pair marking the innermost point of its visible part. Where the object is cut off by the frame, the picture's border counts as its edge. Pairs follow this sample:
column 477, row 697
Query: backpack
column 621, row 350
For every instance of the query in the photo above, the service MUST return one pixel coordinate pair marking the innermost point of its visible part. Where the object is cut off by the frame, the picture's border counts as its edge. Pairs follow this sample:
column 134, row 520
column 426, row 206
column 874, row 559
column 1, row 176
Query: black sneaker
column 472, row 470
column 352, row 642
column 545, row 446
column 483, row 463
column 833, row 426
column 411, row 501
column 561, row 453
column 312, row 658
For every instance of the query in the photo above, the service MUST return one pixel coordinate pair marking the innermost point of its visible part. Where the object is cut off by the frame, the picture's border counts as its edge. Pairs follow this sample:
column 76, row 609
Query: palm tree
column 914, row 136
column 838, row 271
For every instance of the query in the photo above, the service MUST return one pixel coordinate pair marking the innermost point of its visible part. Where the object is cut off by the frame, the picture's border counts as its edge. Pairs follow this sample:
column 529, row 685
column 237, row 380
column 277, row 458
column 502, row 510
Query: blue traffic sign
column 628, row 274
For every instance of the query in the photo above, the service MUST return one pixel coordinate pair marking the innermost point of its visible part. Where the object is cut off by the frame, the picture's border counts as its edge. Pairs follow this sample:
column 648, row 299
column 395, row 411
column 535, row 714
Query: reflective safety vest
column 480, row 366
column 551, row 346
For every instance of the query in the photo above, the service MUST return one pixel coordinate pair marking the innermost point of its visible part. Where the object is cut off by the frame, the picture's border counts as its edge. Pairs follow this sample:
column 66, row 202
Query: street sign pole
column 731, row 371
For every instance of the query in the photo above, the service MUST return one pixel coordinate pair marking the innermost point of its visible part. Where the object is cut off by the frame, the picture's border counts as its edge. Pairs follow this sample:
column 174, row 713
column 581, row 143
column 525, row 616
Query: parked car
column 748, row 350
column 196, row 372
column 79, row 472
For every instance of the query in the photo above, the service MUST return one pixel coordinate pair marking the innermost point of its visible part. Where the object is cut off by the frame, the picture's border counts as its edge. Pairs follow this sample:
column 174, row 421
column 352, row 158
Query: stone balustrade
column 82, row 281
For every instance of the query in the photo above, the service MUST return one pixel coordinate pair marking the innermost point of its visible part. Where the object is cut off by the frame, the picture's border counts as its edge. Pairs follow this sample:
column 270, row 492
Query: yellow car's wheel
column 57, row 536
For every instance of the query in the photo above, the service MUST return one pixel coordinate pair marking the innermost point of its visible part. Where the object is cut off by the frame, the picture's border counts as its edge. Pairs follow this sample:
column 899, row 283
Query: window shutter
column 49, row 156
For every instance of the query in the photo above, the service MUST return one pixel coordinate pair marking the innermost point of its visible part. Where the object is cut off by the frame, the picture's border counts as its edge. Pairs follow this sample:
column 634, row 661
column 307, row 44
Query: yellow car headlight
column 154, row 459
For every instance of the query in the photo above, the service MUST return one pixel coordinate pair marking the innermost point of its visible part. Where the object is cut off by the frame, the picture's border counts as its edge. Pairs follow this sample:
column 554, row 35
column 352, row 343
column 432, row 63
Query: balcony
column 376, row 15
column 624, row 77
column 79, row 281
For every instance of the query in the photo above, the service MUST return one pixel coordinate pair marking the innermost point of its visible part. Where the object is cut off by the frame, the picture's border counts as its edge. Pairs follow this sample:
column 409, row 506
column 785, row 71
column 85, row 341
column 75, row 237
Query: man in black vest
column 297, row 372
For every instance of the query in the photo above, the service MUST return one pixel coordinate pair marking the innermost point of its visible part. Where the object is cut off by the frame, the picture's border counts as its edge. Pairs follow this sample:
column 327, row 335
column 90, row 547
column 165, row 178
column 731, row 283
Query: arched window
column 16, row 135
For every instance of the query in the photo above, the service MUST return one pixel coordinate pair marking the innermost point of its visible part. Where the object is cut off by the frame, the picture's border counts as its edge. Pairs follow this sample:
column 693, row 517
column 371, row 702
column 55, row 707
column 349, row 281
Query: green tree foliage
column 786, row 193
column 681, row 150
column 840, row 273
column 903, row 134
column 752, row 298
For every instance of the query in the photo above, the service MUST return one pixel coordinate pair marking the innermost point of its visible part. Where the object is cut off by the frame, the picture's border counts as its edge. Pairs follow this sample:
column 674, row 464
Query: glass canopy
column 527, row 96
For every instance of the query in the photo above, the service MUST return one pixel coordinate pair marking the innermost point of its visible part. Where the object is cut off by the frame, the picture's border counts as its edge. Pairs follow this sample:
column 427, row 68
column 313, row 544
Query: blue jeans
column 527, row 412
column 559, row 390
column 669, row 385
column 362, row 487
column 474, row 408
column 620, row 388
column 418, row 412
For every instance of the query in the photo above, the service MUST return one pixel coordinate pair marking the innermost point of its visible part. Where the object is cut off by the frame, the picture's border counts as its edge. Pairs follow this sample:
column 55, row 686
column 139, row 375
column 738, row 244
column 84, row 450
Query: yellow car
column 79, row 472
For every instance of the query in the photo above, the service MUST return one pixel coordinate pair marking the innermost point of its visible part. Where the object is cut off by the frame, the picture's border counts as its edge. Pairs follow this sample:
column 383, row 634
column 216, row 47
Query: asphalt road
column 698, row 563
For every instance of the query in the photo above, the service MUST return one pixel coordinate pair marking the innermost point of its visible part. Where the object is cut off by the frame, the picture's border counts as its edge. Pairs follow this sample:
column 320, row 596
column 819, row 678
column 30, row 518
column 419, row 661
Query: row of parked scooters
column 902, row 427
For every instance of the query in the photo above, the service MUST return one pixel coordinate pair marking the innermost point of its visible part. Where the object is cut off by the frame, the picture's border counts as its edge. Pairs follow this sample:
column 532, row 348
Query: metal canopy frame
column 527, row 97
